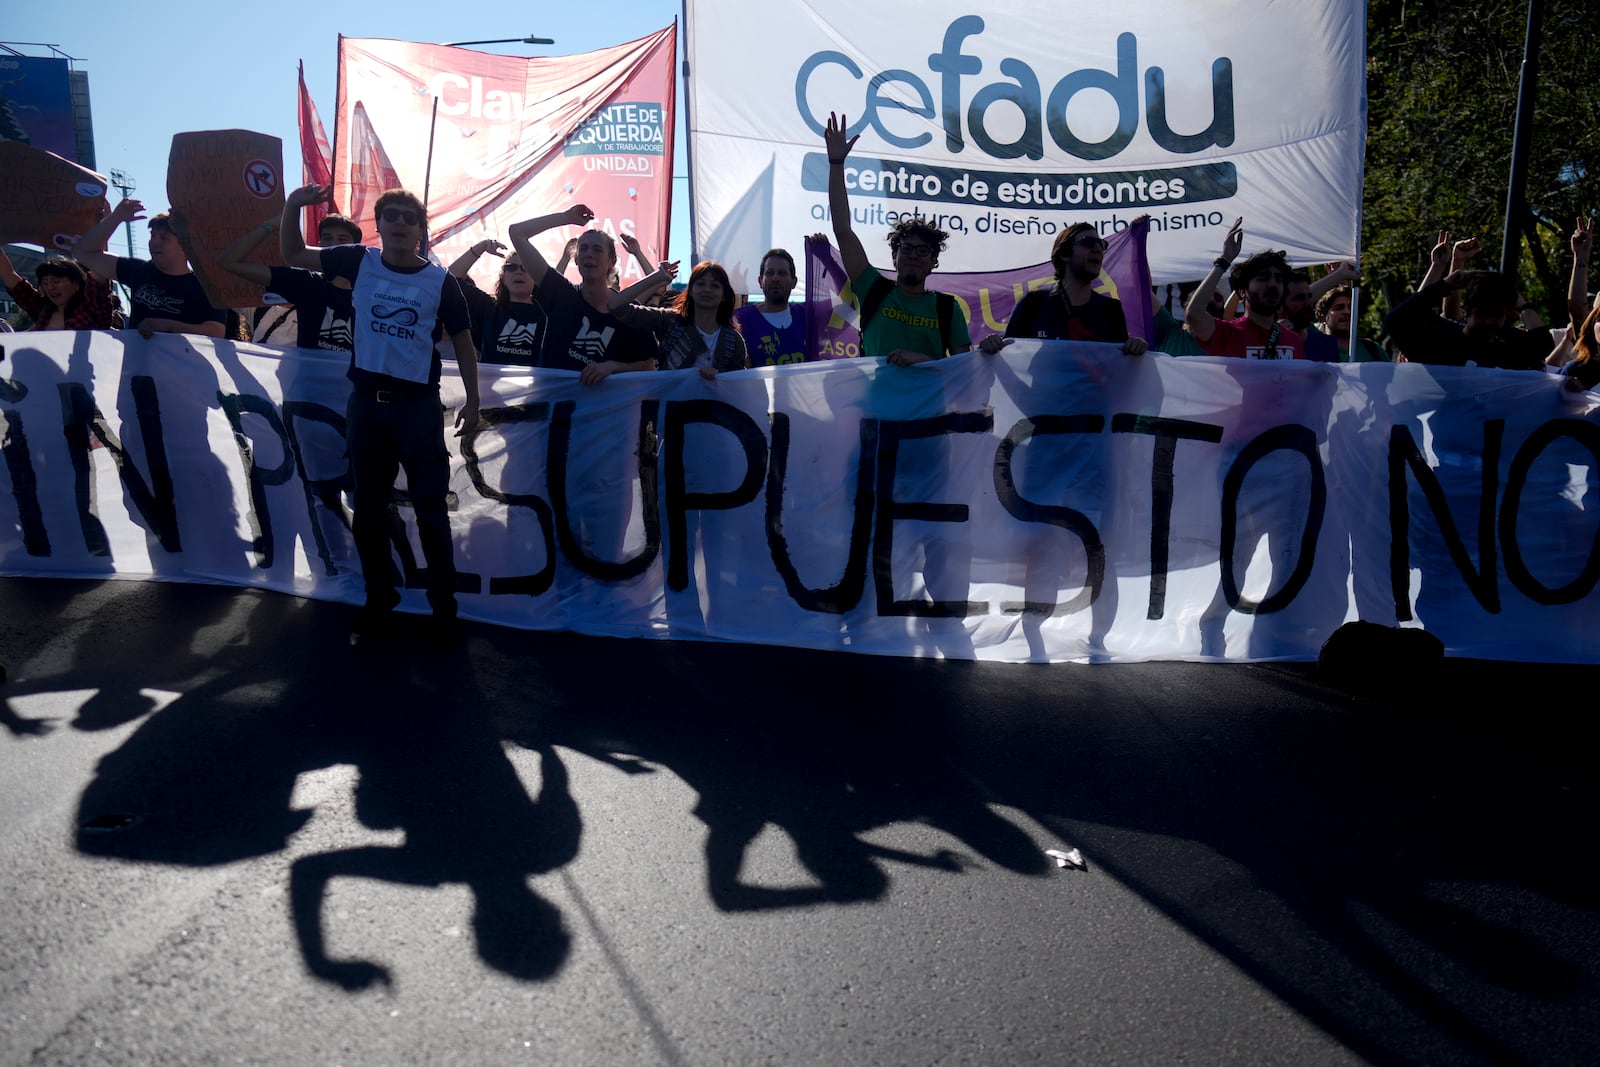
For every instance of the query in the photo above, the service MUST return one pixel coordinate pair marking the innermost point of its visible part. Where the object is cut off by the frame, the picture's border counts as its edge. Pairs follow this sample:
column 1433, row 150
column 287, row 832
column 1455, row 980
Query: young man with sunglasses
column 321, row 305
column 402, row 303
column 904, row 322
column 1070, row 310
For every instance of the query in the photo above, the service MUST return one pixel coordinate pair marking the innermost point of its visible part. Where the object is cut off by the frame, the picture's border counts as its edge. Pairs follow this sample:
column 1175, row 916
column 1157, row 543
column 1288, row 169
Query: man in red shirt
column 1257, row 334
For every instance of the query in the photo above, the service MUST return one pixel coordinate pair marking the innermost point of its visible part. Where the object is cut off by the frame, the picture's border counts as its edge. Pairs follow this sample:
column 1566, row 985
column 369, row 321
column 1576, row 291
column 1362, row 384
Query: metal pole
column 427, row 173
column 688, row 150
column 1521, row 139
column 333, row 162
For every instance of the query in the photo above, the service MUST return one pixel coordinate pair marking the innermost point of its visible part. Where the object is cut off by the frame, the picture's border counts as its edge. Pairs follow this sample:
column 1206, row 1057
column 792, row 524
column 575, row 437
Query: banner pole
column 1361, row 196
column 338, row 98
column 688, row 145
column 427, row 171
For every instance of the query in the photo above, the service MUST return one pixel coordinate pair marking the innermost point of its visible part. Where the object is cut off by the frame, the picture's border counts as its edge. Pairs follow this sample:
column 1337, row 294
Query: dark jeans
column 381, row 438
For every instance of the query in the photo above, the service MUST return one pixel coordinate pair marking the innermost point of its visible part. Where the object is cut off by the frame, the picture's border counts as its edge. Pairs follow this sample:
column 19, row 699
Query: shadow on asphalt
column 1418, row 878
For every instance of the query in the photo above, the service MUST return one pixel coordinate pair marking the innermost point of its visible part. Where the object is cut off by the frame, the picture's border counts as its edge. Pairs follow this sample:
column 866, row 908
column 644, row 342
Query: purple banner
column 987, row 298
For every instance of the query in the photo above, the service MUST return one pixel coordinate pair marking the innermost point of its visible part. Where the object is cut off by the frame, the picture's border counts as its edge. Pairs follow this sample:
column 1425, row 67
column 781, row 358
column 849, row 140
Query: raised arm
column 91, row 247
column 1195, row 315
column 8, row 273
column 234, row 258
column 657, row 279
column 522, row 234
column 850, row 248
column 468, row 259
column 291, row 242
column 1339, row 273
column 568, row 250
column 1461, row 254
column 631, row 243
column 1578, row 284
column 1438, row 261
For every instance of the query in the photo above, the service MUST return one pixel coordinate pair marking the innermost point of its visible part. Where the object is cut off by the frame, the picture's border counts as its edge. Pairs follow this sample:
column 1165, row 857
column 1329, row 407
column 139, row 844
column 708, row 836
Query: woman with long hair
column 510, row 326
column 66, row 298
column 1584, row 370
column 701, row 332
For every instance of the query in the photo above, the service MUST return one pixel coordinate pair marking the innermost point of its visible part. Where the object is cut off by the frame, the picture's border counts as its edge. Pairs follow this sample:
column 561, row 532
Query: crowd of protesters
column 538, row 318
column 391, row 307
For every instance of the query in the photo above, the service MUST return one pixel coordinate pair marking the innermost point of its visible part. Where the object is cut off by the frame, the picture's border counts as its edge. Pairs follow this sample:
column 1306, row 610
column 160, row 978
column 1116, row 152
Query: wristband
column 1222, row 263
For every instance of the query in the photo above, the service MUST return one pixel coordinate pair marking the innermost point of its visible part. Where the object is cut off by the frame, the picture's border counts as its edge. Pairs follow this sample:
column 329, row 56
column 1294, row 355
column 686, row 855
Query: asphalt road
column 232, row 837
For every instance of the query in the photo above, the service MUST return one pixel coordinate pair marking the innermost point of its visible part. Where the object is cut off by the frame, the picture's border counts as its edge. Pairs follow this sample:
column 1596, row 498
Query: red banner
column 316, row 164
column 513, row 138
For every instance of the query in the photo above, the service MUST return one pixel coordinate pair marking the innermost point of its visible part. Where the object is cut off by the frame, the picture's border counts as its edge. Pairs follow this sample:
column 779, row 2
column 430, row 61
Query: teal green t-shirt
column 909, row 322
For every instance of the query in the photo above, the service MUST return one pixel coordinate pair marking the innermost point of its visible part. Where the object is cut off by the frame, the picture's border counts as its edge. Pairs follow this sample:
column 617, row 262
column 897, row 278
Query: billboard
column 36, row 104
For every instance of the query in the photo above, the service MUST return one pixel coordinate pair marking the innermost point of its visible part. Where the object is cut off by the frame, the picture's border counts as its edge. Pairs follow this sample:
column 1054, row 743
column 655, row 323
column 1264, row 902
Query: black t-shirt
column 512, row 335
column 165, row 296
column 1426, row 337
column 322, row 309
column 578, row 335
column 1045, row 313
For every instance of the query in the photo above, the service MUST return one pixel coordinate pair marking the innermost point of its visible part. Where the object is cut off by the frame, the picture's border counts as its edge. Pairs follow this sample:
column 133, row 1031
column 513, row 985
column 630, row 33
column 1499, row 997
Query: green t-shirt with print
column 909, row 322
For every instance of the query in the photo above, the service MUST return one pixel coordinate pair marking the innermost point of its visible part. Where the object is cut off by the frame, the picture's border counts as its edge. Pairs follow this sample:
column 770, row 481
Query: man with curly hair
column 1257, row 334
column 902, row 321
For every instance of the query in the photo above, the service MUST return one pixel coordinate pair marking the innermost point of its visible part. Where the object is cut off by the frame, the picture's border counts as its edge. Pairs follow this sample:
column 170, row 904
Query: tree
column 1442, row 84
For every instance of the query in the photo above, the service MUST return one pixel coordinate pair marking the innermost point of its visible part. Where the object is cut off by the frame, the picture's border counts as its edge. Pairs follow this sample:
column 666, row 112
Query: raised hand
column 1233, row 243
column 307, row 195
column 579, row 215
column 1441, row 250
column 1463, row 251
column 838, row 147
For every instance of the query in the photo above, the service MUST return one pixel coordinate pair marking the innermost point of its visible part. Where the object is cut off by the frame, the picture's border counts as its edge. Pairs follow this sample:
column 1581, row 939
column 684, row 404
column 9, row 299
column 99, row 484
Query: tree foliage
column 1442, row 83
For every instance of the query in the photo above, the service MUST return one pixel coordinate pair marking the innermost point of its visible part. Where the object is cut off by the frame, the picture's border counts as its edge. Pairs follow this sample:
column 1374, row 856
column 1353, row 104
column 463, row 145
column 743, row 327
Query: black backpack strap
column 947, row 314
column 871, row 301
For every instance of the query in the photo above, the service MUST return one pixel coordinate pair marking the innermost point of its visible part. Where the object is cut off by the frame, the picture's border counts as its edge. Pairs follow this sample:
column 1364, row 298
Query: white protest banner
column 1006, row 127
column 1059, row 501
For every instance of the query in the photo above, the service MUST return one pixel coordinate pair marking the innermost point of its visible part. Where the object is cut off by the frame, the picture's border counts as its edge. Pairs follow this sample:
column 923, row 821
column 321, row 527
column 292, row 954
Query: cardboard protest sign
column 221, row 183
column 46, row 200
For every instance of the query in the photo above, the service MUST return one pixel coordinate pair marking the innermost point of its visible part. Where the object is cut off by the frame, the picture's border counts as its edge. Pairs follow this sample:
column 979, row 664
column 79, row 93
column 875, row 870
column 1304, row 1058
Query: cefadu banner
column 1006, row 126
column 512, row 138
column 1058, row 501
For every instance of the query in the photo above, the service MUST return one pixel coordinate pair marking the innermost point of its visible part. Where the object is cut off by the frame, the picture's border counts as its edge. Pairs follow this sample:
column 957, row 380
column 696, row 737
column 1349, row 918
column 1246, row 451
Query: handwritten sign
column 46, row 200
column 221, row 183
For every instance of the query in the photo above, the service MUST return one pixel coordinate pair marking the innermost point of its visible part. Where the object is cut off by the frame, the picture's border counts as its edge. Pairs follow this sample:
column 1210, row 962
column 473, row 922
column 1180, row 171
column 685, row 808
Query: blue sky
column 216, row 66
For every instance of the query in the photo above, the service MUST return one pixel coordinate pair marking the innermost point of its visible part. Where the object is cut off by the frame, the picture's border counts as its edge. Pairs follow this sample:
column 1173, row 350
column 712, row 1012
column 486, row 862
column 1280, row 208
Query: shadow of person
column 431, row 765
column 208, row 778
column 822, row 771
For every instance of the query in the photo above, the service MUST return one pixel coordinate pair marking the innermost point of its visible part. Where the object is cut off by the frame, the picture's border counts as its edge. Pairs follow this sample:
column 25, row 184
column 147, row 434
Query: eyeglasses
column 1091, row 242
column 396, row 214
column 920, row 250
column 512, row 268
